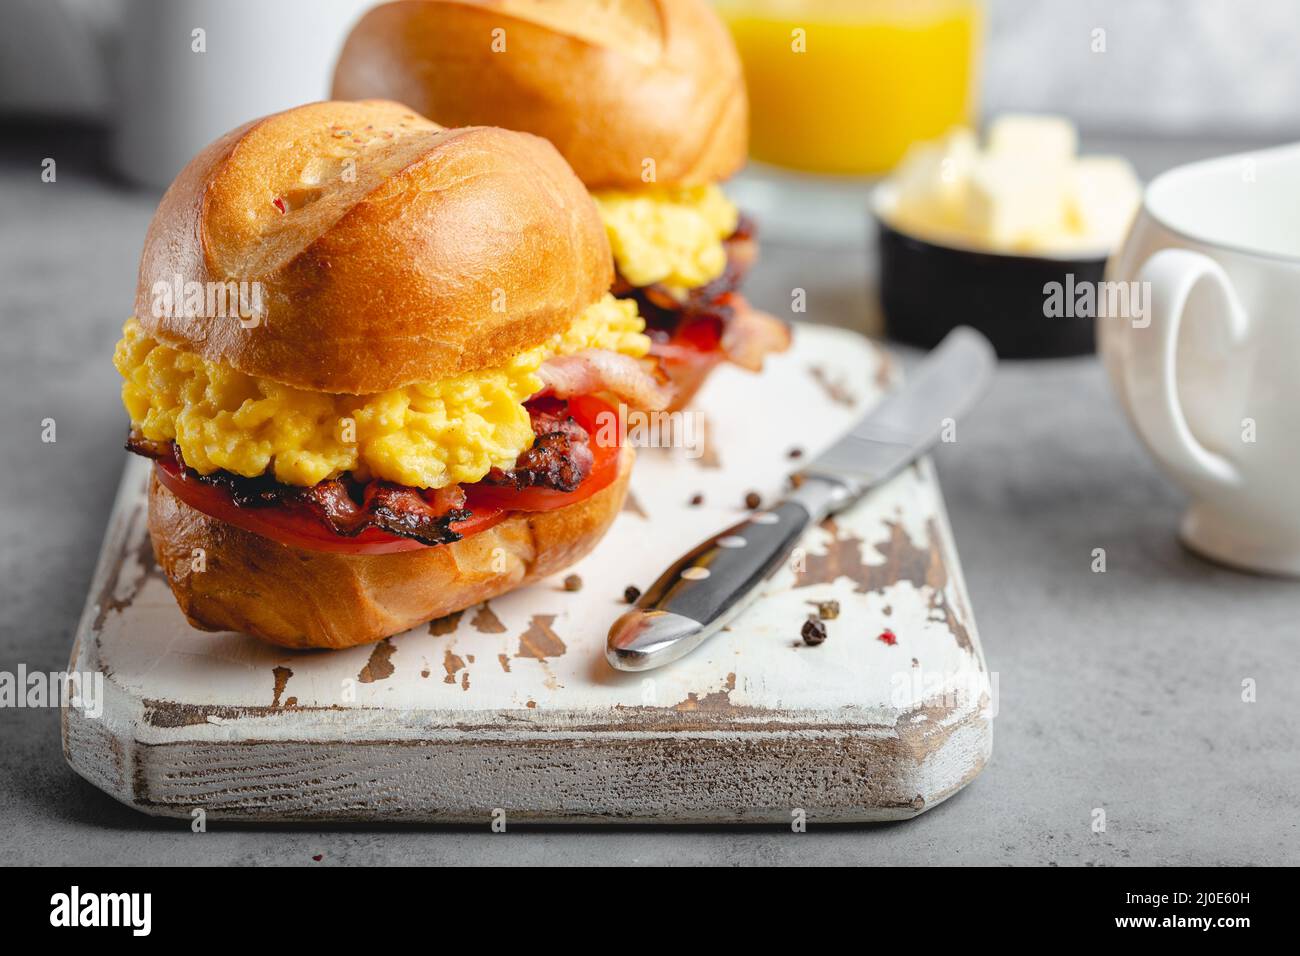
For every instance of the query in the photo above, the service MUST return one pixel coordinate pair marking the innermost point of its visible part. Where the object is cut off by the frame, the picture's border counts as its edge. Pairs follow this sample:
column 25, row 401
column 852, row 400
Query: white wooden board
column 510, row 706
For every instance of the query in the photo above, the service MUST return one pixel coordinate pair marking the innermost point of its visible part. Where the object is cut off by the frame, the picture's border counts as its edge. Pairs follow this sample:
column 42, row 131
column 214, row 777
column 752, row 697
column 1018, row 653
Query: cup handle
column 1151, row 375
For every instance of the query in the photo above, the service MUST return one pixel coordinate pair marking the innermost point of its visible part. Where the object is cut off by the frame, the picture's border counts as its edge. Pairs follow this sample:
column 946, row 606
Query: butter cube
column 1016, row 204
column 1027, row 192
column 1105, row 194
column 932, row 181
column 1033, row 139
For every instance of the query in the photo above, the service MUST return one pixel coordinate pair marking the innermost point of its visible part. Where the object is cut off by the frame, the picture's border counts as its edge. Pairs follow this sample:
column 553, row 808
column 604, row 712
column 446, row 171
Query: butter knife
column 709, row 586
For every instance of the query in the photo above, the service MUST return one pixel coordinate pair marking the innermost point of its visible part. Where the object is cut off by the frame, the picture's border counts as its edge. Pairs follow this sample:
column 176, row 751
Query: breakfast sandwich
column 645, row 99
column 374, row 361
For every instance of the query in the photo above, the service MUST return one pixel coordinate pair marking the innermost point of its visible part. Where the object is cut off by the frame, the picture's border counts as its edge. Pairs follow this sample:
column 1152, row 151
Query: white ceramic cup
column 1210, row 376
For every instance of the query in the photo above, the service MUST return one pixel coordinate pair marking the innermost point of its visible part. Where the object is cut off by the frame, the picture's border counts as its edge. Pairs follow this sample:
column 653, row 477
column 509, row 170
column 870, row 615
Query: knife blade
column 711, row 584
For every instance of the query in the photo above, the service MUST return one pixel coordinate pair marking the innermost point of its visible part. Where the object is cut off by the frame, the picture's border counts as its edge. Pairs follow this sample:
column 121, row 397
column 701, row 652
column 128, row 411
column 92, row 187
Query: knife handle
column 709, row 585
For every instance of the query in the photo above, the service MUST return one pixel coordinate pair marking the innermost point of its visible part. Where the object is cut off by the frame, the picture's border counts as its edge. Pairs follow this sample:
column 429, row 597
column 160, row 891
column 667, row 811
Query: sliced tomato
column 702, row 332
column 489, row 504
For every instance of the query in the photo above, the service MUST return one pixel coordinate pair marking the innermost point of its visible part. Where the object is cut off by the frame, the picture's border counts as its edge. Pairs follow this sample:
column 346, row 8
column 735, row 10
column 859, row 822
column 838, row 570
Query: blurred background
column 138, row 86
column 1187, row 68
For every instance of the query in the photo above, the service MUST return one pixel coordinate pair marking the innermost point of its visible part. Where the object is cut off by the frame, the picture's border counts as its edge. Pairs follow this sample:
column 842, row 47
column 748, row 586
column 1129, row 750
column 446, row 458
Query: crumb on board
column 827, row 610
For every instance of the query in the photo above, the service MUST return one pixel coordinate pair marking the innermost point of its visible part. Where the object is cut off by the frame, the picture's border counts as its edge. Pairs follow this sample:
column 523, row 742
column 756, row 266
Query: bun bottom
column 298, row 598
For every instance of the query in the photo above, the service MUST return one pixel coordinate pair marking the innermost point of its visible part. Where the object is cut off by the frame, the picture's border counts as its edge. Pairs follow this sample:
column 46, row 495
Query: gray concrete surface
column 1119, row 690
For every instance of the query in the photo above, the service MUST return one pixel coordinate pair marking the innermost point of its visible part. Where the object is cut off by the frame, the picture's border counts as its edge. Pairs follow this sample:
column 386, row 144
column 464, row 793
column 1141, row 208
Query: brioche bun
column 388, row 250
column 611, row 85
column 297, row 598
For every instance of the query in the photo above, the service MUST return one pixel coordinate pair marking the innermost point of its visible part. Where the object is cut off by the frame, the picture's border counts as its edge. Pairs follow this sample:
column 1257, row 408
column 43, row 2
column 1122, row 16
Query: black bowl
column 926, row 289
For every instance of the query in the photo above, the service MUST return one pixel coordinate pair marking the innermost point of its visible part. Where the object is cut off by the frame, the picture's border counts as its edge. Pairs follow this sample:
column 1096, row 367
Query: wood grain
column 509, row 706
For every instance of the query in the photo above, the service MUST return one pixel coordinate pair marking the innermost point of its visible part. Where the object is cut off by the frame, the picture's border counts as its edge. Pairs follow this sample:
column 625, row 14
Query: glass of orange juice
column 844, row 86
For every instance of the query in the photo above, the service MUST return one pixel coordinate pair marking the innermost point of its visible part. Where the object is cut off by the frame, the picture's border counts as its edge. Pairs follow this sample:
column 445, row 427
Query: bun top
column 612, row 83
column 379, row 248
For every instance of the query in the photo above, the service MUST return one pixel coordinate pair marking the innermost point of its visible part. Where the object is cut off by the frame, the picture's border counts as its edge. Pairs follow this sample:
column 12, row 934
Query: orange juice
column 843, row 86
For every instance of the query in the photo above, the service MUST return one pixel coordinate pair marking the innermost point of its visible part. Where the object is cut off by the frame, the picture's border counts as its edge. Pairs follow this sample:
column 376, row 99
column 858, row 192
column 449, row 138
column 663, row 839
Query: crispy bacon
column 148, row 449
column 414, row 514
column 349, row 507
column 600, row 370
column 549, row 414
column 560, row 457
column 555, row 461
column 343, row 504
column 751, row 335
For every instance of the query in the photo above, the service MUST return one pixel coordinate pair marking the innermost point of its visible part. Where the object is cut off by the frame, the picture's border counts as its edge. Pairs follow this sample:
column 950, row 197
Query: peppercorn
column 814, row 631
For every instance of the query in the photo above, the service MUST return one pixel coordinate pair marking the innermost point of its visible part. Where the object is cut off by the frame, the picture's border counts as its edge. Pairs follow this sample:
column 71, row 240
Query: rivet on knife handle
column 711, row 584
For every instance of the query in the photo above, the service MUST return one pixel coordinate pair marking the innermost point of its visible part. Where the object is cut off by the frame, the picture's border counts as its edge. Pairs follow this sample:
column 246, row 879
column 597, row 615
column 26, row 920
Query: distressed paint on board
column 510, row 703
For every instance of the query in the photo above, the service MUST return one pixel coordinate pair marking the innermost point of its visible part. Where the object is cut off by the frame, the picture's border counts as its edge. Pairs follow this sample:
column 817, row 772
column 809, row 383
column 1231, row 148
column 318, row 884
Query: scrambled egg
column 426, row 435
column 668, row 235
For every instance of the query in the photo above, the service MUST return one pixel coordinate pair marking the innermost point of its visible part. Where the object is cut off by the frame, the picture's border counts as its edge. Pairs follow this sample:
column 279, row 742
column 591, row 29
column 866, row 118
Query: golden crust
column 611, row 85
column 388, row 250
column 302, row 599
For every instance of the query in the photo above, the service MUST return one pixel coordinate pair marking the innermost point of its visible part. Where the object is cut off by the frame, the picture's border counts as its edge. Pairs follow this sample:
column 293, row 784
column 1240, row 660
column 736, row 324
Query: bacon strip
column 555, row 461
column 560, row 457
column 409, row 512
column 600, row 370
column 750, row 335
column 345, row 506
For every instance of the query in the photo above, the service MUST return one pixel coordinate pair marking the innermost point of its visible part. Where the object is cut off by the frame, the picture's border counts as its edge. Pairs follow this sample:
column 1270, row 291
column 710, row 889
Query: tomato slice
column 489, row 504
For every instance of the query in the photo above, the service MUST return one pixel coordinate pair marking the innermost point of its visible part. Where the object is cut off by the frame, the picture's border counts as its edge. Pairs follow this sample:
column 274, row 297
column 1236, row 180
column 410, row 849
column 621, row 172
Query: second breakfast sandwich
column 644, row 98
column 371, row 359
